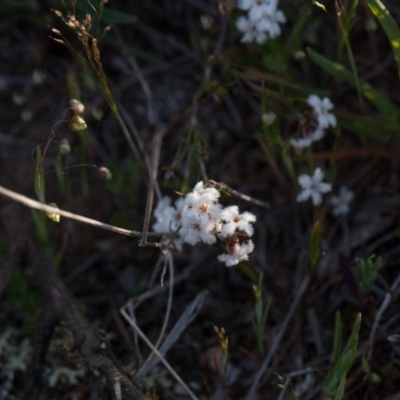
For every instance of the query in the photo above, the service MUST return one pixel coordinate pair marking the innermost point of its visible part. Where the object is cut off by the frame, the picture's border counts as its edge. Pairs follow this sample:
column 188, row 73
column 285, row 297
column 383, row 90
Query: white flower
column 234, row 222
column 241, row 253
column 318, row 134
column 301, row 143
column 168, row 219
column 253, row 6
column 253, row 30
column 270, row 20
column 341, row 203
column 200, row 218
column 322, row 108
column 313, row 187
column 198, row 228
column 201, row 215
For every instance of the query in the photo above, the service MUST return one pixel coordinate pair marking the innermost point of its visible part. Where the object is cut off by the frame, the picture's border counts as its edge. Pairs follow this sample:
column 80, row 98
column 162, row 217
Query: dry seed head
column 56, row 31
column 87, row 22
column 58, row 13
column 102, row 2
column 58, row 40
column 77, row 123
column 95, row 49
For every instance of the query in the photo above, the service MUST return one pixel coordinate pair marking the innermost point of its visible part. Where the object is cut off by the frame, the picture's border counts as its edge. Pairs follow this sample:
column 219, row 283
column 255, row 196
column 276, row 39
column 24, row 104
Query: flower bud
column 38, row 76
column 26, row 115
column 64, row 148
column 97, row 113
column 105, row 173
column 77, row 106
column 268, row 118
column 18, row 99
column 77, row 123
column 52, row 215
column 207, row 21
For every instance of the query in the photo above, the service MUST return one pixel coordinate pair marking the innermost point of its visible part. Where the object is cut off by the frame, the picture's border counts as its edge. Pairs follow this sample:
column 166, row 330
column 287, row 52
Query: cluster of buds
column 199, row 217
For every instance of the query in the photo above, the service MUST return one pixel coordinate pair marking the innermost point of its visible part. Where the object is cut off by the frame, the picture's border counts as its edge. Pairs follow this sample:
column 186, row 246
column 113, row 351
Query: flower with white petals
column 270, row 20
column 199, row 217
column 341, row 203
column 234, row 222
column 313, row 187
column 301, row 143
column 168, row 220
column 198, row 227
column 322, row 108
column 239, row 253
column 252, row 30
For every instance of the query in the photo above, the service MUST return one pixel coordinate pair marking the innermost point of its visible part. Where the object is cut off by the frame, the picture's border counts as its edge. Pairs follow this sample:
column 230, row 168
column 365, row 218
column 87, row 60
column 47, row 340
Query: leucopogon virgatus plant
column 262, row 21
column 313, row 128
column 199, row 217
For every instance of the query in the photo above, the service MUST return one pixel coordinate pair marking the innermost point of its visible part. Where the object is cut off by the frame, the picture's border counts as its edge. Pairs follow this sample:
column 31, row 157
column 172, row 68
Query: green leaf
column 343, row 364
column 389, row 25
column 315, row 239
column 337, row 338
column 339, row 71
column 340, row 390
column 39, row 176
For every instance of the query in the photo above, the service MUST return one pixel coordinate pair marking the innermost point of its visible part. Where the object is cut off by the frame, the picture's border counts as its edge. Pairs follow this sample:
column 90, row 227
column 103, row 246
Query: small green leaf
column 337, row 338
column 315, row 239
column 340, row 390
column 389, row 25
column 39, row 176
column 337, row 70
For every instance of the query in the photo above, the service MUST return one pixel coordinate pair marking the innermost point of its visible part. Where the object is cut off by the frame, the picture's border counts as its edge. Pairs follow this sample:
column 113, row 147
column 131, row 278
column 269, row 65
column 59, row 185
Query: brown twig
column 242, row 196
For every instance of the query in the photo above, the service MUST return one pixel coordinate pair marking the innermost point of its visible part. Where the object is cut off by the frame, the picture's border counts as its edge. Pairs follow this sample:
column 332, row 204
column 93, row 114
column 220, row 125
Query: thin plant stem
column 170, row 263
column 241, row 196
column 162, row 359
column 277, row 339
column 385, row 303
column 44, row 207
column 152, row 181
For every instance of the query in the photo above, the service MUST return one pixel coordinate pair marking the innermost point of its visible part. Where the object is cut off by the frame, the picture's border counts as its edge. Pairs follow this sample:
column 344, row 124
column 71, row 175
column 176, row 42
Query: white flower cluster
column 199, row 217
column 262, row 21
column 321, row 110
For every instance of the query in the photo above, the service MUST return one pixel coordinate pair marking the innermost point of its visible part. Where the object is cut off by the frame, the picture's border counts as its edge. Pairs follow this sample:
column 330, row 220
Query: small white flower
column 168, row 219
column 235, row 222
column 313, row 187
column 322, row 108
column 301, row 143
column 255, row 5
column 242, row 253
column 341, row 203
column 270, row 20
column 318, row 134
column 198, row 228
column 252, row 30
